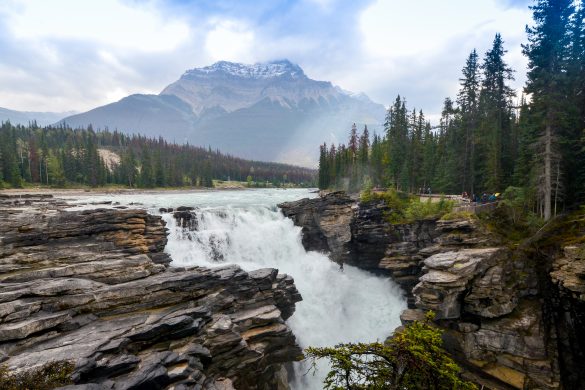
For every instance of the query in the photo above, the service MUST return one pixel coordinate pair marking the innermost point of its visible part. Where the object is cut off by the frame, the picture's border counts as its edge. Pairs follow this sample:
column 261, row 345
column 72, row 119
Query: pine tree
column 353, row 146
column 160, row 179
column 323, row 167
column 495, row 106
column 468, row 99
column 396, row 127
column 363, row 156
column 547, row 52
column 146, row 172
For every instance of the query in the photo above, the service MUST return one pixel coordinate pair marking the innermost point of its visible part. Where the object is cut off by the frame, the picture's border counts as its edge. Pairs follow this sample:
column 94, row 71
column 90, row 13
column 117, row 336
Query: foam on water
column 246, row 228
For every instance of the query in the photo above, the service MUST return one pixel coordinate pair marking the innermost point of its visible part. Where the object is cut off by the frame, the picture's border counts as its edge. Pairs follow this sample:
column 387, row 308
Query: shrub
column 421, row 210
column 403, row 208
column 458, row 215
column 413, row 359
column 46, row 377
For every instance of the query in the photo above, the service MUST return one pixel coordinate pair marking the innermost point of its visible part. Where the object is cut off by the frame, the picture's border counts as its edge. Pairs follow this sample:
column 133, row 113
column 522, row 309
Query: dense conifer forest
column 487, row 139
column 60, row 156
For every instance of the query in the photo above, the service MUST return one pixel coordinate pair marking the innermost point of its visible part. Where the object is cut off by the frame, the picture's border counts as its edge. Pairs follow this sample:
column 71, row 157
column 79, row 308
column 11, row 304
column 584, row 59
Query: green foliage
column 412, row 359
column 417, row 210
column 512, row 219
column 482, row 143
column 49, row 376
column 405, row 208
column 514, row 200
column 60, row 156
column 397, row 203
column 515, row 204
column 366, row 196
column 458, row 215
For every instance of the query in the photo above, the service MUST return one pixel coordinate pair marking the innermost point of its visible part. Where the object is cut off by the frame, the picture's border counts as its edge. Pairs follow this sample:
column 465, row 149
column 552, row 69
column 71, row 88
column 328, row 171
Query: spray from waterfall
column 338, row 306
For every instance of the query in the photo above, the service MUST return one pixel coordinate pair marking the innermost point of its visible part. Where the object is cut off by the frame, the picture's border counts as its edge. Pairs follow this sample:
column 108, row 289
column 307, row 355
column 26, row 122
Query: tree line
column 485, row 142
column 60, row 156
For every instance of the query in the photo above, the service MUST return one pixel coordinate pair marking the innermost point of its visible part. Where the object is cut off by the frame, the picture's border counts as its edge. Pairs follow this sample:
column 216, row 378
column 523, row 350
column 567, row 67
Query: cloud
column 106, row 22
column 71, row 55
column 516, row 3
column 229, row 41
column 421, row 57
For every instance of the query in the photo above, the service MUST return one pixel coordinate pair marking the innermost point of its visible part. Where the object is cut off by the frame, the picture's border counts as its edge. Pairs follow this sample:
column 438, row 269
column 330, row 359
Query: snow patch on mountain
column 264, row 70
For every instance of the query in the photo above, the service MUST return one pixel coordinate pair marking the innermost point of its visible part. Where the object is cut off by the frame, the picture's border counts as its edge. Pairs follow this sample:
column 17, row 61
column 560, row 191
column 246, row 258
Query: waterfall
column 338, row 305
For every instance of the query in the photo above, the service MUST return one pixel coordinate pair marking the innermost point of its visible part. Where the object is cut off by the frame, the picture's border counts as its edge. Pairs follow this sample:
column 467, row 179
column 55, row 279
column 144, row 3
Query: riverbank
column 85, row 191
column 108, row 191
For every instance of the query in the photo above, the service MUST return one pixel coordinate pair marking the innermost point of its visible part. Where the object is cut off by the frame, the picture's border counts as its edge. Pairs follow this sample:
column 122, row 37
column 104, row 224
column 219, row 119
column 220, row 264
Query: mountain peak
column 260, row 70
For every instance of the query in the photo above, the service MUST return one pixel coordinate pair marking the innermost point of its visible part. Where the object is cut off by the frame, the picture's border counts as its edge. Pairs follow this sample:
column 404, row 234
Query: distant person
column 341, row 267
column 429, row 190
column 492, row 198
column 484, row 198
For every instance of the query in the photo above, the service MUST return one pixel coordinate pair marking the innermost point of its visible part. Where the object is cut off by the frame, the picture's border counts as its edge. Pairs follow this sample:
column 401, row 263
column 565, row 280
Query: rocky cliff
column 95, row 287
column 509, row 320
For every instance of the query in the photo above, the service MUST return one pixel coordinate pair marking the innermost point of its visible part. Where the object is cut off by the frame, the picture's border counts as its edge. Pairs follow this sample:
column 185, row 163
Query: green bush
column 413, row 359
column 49, row 376
column 420, row 210
column 458, row 215
column 404, row 208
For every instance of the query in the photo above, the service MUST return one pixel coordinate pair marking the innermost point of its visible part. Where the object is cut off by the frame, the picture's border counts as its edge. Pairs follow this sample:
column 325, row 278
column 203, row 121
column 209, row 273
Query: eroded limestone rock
column 456, row 278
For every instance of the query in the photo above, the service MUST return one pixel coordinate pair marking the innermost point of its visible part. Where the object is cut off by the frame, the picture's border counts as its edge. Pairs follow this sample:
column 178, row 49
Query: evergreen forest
column 61, row 156
column 488, row 139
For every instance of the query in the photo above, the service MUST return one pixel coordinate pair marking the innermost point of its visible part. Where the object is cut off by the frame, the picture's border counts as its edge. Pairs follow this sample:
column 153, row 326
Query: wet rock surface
column 95, row 287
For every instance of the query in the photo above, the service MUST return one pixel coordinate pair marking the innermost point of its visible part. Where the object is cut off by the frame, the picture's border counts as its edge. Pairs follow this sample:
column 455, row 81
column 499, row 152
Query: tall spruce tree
column 547, row 52
column 468, row 101
column 495, row 111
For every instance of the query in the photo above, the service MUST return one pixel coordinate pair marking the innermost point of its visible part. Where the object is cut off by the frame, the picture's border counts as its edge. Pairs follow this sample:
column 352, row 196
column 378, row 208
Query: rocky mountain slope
column 513, row 316
column 25, row 117
column 94, row 287
column 267, row 111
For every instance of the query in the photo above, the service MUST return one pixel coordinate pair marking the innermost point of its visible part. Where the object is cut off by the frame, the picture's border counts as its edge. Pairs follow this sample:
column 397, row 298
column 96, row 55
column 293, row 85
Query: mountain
column 266, row 111
column 25, row 117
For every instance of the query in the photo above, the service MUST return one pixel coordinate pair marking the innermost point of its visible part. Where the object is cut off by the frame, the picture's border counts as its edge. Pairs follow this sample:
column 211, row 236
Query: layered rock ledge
column 94, row 287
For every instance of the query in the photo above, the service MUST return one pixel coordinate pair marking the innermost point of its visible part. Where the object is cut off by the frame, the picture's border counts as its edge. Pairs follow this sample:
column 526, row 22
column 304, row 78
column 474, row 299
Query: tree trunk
column 547, row 170
column 557, row 186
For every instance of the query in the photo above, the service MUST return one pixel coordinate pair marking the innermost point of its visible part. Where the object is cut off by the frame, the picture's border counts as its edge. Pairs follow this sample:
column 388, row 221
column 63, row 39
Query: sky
column 72, row 55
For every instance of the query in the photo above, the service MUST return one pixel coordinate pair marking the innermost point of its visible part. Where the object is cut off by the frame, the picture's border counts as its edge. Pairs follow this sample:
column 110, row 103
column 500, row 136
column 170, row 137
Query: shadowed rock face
column 493, row 302
column 325, row 222
column 94, row 287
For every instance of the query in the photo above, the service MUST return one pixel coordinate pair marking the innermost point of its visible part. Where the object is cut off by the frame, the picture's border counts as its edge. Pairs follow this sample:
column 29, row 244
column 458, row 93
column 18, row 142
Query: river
column 245, row 227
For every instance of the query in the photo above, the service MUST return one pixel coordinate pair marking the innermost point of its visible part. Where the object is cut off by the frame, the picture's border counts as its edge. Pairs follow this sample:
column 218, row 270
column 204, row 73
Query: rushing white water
column 246, row 228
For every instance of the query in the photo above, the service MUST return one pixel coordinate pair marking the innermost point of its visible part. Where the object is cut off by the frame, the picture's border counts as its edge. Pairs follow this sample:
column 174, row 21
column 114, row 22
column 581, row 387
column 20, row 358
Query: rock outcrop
column 95, row 287
column 326, row 224
column 493, row 300
column 567, row 288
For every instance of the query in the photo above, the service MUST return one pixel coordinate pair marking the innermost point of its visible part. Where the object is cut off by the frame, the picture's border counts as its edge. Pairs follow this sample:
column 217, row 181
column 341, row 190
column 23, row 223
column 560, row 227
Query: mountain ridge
column 43, row 118
column 271, row 111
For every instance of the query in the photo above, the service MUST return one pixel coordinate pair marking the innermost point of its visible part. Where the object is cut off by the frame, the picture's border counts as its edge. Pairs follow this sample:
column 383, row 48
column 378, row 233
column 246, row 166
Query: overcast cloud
column 63, row 55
